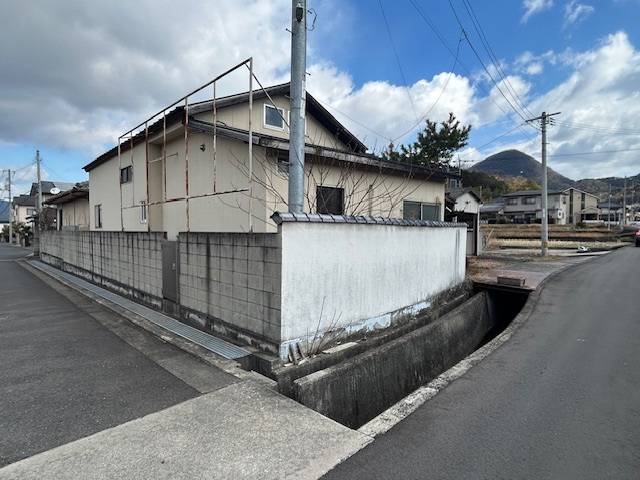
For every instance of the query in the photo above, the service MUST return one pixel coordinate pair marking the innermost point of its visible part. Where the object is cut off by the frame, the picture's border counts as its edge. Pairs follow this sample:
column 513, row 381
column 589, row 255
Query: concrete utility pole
column 39, row 204
column 544, row 234
column 10, row 209
column 624, row 203
column 297, row 105
column 10, row 205
column 609, row 210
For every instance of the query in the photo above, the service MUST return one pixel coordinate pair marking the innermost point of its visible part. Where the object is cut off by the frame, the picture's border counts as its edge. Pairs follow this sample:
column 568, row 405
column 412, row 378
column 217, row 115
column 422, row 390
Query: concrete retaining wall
column 358, row 277
column 230, row 283
column 355, row 391
column 127, row 262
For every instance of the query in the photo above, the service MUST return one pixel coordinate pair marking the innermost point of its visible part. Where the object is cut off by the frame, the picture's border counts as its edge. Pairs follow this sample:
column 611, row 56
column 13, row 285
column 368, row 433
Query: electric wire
column 444, row 87
column 493, row 57
column 395, row 52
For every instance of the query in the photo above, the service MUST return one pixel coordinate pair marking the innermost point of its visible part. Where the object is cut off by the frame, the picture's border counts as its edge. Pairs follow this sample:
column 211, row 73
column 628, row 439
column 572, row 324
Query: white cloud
column 533, row 7
column 575, row 12
column 602, row 92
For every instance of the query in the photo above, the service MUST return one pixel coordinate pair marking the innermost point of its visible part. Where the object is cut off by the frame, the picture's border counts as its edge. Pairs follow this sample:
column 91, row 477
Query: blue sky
column 79, row 74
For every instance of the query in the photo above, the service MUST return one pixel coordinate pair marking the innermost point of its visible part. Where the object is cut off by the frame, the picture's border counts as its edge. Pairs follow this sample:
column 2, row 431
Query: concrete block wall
column 231, row 283
column 129, row 263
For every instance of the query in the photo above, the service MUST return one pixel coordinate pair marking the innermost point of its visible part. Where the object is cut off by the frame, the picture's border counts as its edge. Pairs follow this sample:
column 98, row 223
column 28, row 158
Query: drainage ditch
column 353, row 387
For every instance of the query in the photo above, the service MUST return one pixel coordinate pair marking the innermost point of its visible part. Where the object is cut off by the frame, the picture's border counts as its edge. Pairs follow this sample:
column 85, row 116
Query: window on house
column 98, row 215
column 273, row 117
column 512, row 201
column 330, row 200
column 283, row 162
column 31, row 211
column 420, row 211
column 126, row 174
column 529, row 200
column 143, row 212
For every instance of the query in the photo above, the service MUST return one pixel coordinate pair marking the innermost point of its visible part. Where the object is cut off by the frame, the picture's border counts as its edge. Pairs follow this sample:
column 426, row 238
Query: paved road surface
column 63, row 375
column 560, row 400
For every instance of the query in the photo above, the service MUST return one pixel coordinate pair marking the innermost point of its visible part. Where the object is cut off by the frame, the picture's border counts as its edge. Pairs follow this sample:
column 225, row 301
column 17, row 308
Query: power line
column 593, row 128
column 444, row 87
column 425, row 18
column 500, row 136
column 492, row 56
column 493, row 80
column 395, row 52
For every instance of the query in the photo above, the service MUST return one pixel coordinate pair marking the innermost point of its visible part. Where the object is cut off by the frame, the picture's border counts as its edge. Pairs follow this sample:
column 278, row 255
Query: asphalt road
column 560, row 400
column 63, row 375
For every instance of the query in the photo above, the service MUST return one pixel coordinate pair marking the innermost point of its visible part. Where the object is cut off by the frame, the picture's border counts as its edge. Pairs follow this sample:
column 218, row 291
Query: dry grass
column 555, row 244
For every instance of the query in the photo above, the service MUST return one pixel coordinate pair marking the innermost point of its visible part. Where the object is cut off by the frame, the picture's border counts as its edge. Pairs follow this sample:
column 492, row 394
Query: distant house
column 170, row 178
column 525, row 206
column 492, row 212
column 609, row 211
column 581, row 205
column 72, row 207
column 463, row 205
column 24, row 206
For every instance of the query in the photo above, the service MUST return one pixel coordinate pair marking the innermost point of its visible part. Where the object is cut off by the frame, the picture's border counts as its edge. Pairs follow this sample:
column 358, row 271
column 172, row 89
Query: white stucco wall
column 357, row 276
column 467, row 203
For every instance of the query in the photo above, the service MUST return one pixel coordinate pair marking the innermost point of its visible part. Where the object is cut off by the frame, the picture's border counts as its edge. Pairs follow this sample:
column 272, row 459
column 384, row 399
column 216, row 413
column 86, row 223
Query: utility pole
column 10, row 205
column 297, row 104
column 10, row 209
column 544, row 231
column 609, row 210
column 624, row 204
column 39, row 204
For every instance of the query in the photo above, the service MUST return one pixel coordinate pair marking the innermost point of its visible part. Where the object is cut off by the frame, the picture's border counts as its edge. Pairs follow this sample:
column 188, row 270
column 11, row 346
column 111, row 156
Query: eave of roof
column 522, row 193
column 177, row 115
column 320, row 154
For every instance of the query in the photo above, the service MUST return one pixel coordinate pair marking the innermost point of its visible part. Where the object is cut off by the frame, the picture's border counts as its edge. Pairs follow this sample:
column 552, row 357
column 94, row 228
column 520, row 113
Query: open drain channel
column 355, row 388
column 211, row 343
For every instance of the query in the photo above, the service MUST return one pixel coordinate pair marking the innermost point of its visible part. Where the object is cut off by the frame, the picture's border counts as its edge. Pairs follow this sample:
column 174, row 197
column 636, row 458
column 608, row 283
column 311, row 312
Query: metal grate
column 211, row 343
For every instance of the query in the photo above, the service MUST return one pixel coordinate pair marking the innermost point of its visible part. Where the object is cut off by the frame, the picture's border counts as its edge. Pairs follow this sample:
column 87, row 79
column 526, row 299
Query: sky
column 77, row 74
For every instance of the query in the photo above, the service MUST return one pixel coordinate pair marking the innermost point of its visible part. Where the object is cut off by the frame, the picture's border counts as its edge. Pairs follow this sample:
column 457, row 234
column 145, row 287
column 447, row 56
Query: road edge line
column 393, row 415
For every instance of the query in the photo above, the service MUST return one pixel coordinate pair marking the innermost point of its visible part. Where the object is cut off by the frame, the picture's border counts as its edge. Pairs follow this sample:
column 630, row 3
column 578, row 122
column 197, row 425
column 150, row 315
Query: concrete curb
column 229, row 366
column 409, row 404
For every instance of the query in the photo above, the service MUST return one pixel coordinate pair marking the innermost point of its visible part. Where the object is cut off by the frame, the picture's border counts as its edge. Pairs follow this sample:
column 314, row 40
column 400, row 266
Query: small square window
column 529, row 200
column 126, row 174
column 330, row 200
column 273, row 117
column 512, row 201
column 411, row 211
column 420, row 211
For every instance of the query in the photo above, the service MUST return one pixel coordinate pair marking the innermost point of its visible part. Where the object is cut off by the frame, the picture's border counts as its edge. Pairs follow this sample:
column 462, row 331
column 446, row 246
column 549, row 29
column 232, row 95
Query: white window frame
column 143, row 212
column 97, row 215
column 264, row 117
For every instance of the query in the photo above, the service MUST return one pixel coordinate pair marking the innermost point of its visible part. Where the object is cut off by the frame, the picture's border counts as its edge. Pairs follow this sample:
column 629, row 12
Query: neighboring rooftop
column 48, row 185
column 79, row 190
column 24, row 200
column 458, row 192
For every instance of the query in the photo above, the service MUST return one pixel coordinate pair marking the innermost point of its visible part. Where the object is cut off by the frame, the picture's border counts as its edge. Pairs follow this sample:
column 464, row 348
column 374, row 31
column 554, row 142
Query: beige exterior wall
column 75, row 214
column 238, row 116
column 591, row 204
column 219, row 187
column 20, row 213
